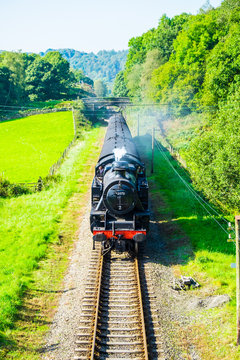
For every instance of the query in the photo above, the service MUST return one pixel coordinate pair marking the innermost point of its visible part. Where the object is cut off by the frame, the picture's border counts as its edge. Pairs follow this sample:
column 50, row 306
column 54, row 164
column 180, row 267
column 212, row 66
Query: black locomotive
column 119, row 215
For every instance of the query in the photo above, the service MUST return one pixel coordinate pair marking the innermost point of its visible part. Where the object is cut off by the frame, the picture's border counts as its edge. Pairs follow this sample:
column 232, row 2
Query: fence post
column 39, row 184
column 74, row 123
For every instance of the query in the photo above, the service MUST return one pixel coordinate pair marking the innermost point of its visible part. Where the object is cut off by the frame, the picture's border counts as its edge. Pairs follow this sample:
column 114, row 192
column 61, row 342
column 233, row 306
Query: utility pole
column 153, row 140
column 237, row 266
column 237, row 220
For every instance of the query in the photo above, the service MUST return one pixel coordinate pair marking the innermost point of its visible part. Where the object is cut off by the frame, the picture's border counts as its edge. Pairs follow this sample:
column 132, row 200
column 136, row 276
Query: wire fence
column 57, row 165
column 18, row 113
column 40, row 184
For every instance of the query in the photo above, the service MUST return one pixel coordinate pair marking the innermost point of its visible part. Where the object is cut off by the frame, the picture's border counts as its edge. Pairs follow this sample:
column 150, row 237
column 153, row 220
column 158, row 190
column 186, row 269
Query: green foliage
column 153, row 60
column 30, row 77
column 15, row 63
column 100, row 88
column 179, row 81
column 223, row 75
column 214, row 156
column 47, row 78
column 81, row 78
column 133, row 79
column 5, row 83
column 151, row 49
column 29, row 146
column 120, row 87
column 8, row 190
column 103, row 65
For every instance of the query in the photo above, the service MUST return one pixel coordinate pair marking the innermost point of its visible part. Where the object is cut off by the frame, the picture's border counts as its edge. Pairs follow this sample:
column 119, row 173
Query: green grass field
column 29, row 223
column 31, row 145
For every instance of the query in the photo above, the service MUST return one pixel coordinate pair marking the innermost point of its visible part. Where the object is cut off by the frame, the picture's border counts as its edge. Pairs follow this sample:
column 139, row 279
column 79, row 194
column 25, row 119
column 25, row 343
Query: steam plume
column 119, row 153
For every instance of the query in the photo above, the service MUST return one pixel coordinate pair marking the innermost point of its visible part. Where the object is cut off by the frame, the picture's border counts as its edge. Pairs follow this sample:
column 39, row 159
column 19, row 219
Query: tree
column 100, row 88
column 153, row 61
column 120, row 87
column 80, row 77
column 60, row 74
column 40, row 80
column 15, row 62
column 5, row 84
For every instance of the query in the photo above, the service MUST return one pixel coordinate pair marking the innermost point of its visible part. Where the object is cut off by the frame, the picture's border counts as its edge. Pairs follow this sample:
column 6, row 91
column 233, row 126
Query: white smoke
column 119, row 153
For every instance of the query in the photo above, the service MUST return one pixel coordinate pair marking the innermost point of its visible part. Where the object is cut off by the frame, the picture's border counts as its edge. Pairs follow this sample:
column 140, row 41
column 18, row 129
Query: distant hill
column 103, row 65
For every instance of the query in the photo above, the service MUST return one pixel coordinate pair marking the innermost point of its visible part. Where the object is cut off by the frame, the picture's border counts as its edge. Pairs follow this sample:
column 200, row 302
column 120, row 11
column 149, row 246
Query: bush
column 11, row 190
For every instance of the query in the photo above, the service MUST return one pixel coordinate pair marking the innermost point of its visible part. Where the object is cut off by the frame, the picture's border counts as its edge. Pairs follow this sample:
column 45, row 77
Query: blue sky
column 84, row 25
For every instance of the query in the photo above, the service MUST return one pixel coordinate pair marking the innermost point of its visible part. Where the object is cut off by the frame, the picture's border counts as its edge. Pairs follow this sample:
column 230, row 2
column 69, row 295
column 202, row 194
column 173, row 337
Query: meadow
column 30, row 146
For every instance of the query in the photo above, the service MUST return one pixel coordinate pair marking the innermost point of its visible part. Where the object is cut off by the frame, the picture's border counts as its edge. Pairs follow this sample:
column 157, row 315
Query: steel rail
column 97, row 307
column 141, row 310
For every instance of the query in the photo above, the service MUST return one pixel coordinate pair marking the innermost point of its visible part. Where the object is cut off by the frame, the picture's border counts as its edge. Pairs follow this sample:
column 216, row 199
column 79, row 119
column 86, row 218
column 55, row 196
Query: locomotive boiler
column 119, row 215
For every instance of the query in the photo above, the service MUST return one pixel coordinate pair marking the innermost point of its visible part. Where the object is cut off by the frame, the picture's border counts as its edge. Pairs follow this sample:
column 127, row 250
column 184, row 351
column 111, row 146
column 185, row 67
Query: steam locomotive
column 119, row 215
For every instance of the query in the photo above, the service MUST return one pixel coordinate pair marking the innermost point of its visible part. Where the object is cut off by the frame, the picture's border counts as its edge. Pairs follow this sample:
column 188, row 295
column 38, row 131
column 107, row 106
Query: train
column 119, row 217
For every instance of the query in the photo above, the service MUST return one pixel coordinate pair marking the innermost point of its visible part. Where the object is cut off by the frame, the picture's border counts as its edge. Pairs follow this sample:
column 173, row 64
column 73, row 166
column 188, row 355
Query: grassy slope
column 214, row 331
column 28, row 225
column 29, row 146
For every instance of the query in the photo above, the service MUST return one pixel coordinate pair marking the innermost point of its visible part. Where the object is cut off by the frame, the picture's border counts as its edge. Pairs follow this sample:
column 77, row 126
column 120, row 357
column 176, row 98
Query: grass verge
column 32, row 228
column 197, row 247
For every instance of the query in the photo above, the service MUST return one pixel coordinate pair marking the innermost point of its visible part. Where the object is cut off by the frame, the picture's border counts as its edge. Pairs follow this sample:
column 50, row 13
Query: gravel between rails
column 60, row 342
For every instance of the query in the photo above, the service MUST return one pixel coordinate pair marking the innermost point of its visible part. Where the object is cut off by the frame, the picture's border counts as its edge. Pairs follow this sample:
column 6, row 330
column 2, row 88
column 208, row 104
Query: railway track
column 117, row 322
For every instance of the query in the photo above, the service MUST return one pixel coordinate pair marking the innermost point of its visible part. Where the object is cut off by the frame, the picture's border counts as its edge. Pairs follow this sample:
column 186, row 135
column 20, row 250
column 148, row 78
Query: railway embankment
column 187, row 241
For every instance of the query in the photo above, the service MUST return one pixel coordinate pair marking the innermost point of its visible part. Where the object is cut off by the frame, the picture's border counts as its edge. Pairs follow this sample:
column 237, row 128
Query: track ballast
column 113, row 312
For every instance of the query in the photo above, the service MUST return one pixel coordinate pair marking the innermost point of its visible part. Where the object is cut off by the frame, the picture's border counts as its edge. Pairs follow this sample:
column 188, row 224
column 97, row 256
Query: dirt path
column 60, row 343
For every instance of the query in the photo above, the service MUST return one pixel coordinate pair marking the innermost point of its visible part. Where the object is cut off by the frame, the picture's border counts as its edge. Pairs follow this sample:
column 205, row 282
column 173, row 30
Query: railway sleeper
column 105, row 305
column 123, row 351
column 112, row 322
column 120, row 316
column 110, row 311
column 122, row 301
column 109, row 328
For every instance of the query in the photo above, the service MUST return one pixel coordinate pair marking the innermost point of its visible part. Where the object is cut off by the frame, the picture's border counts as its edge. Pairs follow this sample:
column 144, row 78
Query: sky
column 84, row 25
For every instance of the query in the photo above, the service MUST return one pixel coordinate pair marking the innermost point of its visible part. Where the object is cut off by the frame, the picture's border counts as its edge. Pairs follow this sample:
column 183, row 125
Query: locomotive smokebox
column 119, row 191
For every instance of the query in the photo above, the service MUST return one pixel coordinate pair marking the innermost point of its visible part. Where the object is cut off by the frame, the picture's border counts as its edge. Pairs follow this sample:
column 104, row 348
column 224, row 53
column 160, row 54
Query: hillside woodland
column 190, row 66
column 30, row 77
column 104, row 65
